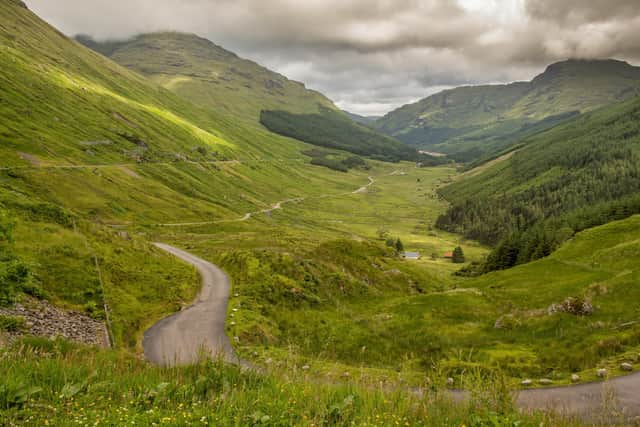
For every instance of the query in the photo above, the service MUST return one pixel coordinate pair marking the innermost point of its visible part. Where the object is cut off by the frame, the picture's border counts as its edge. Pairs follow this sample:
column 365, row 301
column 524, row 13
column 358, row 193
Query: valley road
column 180, row 339
column 600, row 402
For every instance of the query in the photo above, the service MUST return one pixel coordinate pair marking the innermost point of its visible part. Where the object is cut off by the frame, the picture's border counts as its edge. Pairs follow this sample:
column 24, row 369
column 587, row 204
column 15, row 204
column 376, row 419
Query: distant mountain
column 580, row 174
column 363, row 120
column 473, row 121
column 206, row 74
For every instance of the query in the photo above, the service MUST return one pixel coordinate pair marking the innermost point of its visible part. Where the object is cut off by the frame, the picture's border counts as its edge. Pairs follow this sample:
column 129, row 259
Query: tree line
column 579, row 175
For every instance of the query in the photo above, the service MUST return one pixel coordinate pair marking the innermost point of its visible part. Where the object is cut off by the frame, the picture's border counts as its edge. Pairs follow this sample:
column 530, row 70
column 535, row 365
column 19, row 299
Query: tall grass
column 56, row 383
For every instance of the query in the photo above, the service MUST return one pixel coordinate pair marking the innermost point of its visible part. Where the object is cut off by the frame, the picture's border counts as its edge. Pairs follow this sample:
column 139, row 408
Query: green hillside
column 477, row 121
column 577, row 175
column 208, row 75
column 214, row 78
column 331, row 129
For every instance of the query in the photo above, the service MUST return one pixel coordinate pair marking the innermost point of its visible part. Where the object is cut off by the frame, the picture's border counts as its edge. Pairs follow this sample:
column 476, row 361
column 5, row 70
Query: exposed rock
column 601, row 373
column 526, row 382
column 573, row 305
column 626, row 367
column 44, row 320
column 575, row 378
column 545, row 381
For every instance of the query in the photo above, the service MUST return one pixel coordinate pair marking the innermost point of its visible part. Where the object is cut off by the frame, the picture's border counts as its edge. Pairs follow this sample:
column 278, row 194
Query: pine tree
column 399, row 246
column 458, row 255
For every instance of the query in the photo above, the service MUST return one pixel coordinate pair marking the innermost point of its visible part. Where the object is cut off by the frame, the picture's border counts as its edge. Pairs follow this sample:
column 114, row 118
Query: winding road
column 598, row 401
column 276, row 206
column 198, row 330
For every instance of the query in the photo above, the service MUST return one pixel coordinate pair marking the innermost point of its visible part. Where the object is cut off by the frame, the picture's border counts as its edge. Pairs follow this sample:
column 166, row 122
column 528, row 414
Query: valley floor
column 316, row 290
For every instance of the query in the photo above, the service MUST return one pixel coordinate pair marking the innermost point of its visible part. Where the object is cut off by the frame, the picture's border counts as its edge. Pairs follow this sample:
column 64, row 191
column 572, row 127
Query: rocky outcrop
column 577, row 306
column 44, row 320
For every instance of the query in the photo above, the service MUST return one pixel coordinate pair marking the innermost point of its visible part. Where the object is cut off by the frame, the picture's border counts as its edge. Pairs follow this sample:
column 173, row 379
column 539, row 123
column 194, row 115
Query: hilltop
column 475, row 121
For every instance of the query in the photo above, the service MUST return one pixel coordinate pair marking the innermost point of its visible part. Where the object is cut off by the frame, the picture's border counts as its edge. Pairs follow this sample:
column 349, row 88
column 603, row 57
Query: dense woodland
column 334, row 130
column 578, row 175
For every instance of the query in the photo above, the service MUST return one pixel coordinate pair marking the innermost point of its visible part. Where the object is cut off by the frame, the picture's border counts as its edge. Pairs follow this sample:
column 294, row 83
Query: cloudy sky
column 371, row 56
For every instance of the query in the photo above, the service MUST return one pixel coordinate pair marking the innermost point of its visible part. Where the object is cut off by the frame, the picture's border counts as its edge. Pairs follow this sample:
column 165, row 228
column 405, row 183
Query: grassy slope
column 489, row 118
column 455, row 329
column 212, row 77
column 50, row 383
column 209, row 75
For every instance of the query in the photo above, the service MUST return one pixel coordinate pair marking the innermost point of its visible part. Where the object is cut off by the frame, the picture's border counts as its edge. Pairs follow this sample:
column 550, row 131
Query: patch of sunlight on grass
column 74, row 82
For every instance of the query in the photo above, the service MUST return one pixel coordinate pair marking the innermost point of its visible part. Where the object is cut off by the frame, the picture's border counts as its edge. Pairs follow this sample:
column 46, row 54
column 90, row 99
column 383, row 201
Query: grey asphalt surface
column 605, row 402
column 198, row 330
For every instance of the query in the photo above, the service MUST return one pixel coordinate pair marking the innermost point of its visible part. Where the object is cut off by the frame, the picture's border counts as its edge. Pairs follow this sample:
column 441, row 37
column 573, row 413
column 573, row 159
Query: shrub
column 11, row 323
column 15, row 277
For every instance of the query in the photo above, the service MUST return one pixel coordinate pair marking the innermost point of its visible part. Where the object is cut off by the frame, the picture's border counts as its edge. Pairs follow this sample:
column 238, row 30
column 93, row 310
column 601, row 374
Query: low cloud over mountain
column 371, row 56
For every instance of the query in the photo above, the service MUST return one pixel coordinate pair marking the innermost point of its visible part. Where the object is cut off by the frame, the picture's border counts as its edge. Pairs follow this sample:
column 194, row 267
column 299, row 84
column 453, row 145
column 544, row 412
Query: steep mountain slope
column 212, row 77
column 577, row 175
column 472, row 121
column 206, row 74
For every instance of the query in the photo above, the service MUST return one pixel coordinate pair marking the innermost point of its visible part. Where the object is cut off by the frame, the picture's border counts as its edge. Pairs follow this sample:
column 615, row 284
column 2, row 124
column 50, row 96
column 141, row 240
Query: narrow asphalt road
column 198, row 330
column 597, row 402
column 180, row 339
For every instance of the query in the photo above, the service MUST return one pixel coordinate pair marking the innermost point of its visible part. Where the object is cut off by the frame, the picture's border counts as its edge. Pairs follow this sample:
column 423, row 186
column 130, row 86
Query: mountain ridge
column 472, row 121
column 209, row 75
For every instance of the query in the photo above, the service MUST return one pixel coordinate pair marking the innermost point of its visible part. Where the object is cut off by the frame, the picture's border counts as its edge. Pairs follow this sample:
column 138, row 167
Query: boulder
column 626, row 367
column 601, row 373
column 545, row 381
column 575, row 378
column 526, row 383
column 450, row 382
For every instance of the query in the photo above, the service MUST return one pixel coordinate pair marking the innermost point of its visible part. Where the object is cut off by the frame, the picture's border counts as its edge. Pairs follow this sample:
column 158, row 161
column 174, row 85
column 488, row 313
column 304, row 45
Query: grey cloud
column 374, row 55
column 582, row 11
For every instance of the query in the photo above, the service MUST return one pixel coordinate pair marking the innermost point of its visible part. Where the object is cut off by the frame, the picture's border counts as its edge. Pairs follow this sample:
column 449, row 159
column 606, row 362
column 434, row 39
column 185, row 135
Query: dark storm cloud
column 374, row 55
